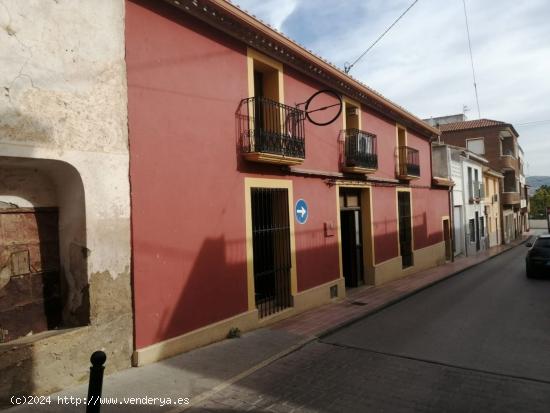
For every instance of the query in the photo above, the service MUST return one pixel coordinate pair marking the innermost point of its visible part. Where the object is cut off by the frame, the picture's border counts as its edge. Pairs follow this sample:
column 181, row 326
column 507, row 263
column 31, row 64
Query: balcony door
column 267, row 113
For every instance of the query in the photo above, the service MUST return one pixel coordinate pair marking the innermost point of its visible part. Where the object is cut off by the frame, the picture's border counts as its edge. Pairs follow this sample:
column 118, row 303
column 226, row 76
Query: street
column 478, row 342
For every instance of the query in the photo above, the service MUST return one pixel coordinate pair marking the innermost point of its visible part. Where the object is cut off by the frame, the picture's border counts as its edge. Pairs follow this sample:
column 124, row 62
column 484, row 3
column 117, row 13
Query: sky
column 423, row 62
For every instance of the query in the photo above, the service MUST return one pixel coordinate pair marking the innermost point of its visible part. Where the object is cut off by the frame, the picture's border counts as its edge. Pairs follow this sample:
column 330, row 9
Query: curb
column 295, row 347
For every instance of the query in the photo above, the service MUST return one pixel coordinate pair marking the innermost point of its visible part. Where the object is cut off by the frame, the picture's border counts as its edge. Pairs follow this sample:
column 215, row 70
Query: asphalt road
column 490, row 318
column 477, row 342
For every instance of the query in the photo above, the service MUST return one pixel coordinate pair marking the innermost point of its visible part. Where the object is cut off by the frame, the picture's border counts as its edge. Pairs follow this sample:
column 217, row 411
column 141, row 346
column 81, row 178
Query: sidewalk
column 200, row 373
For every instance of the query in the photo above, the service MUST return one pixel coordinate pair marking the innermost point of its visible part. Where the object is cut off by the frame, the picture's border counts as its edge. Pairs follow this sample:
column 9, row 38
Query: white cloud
column 423, row 62
column 273, row 12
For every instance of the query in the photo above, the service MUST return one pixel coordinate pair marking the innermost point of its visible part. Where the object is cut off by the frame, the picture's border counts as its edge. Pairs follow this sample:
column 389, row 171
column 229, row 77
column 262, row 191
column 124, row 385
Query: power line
column 534, row 122
column 347, row 67
column 471, row 57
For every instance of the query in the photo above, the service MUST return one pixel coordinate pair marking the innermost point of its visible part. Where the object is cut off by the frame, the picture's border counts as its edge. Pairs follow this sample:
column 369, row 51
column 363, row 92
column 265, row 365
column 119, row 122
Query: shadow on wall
column 215, row 289
column 195, row 288
column 43, row 262
column 386, row 239
column 214, row 286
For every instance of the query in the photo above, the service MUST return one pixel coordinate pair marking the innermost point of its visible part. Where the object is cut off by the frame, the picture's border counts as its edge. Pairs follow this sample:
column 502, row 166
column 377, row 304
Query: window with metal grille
column 472, row 227
column 271, row 249
column 405, row 228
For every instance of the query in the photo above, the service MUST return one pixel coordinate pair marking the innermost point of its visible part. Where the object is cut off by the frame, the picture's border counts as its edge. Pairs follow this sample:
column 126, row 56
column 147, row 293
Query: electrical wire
column 471, row 57
column 534, row 123
column 347, row 67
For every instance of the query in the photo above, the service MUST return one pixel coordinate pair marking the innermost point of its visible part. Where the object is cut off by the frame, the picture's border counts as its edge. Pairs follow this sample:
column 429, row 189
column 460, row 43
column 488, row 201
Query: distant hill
column 537, row 181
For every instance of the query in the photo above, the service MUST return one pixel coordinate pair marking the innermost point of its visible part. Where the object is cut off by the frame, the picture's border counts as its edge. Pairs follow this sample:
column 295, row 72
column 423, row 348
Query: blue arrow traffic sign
column 301, row 211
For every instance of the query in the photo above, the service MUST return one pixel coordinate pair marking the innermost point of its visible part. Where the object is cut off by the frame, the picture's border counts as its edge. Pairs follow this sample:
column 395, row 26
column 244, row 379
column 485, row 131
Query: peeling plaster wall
column 63, row 97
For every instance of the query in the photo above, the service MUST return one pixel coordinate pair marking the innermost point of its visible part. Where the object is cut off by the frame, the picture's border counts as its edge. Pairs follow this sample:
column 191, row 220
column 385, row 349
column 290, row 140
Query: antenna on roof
column 471, row 58
column 465, row 109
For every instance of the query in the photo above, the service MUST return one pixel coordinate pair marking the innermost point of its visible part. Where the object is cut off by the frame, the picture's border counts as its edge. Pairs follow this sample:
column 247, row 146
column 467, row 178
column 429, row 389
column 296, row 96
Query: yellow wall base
column 197, row 338
column 247, row 321
column 316, row 296
column 423, row 258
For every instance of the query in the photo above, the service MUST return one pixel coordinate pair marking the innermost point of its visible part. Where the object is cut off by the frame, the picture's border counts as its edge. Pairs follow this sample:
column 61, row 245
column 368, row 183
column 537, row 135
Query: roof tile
column 471, row 124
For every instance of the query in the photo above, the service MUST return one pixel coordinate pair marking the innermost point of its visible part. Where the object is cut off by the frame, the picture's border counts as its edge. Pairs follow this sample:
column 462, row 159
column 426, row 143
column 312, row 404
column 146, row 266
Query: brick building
column 498, row 142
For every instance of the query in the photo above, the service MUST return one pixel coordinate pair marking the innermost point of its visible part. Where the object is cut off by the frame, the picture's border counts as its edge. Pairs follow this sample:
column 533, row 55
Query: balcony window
column 477, row 191
column 359, row 151
column 510, row 184
column 408, row 162
column 508, row 147
column 271, row 132
column 268, row 130
column 407, row 158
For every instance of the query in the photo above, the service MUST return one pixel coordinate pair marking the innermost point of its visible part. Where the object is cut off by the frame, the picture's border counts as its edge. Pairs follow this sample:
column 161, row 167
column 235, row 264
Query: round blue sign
column 301, row 211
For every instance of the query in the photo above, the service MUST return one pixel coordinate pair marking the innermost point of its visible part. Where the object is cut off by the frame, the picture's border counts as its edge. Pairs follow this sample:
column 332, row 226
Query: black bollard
column 96, row 382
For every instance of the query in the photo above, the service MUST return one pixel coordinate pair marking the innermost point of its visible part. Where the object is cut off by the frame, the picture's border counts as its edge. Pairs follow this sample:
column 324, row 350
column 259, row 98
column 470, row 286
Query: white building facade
column 465, row 170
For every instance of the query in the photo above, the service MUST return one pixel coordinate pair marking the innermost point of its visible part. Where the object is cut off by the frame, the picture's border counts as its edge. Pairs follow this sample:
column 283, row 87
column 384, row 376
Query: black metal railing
column 360, row 149
column 409, row 161
column 271, row 127
column 477, row 191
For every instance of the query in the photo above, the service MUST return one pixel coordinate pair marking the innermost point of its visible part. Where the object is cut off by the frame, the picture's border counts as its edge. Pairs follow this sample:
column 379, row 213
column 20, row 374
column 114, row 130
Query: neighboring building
column 443, row 120
column 496, row 141
column 523, row 193
column 491, row 202
column 243, row 212
column 465, row 170
column 64, row 194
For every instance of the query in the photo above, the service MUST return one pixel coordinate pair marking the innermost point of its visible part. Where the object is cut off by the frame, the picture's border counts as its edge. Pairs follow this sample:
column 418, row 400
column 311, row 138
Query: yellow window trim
column 404, row 128
column 398, row 126
column 250, row 183
column 368, row 230
column 345, row 102
column 253, row 55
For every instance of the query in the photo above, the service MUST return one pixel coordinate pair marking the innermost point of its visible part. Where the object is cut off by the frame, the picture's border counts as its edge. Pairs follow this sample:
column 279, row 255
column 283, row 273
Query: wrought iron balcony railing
column 359, row 151
column 270, row 131
column 477, row 191
column 409, row 162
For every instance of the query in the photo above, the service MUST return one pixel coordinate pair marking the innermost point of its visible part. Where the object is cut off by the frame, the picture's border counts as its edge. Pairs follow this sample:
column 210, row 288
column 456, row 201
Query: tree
column 539, row 201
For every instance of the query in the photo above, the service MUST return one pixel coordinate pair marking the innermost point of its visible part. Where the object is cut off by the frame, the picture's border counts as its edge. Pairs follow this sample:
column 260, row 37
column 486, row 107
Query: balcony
column 477, row 192
column 510, row 198
column 508, row 162
column 408, row 163
column 271, row 132
column 358, row 152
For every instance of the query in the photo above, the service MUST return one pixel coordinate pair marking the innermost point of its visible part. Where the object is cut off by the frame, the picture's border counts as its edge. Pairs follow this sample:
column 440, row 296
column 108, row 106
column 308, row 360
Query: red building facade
column 218, row 238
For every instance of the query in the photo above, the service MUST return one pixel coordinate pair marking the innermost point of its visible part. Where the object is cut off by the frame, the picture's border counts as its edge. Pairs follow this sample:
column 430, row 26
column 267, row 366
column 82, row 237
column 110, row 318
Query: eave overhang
column 235, row 22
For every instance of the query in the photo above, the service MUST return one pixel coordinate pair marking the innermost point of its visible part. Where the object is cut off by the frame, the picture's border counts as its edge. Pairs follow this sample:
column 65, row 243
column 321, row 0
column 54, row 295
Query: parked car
column 537, row 261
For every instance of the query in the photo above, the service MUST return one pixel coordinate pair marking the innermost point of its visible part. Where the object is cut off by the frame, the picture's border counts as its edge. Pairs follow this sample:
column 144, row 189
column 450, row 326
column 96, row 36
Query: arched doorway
column 43, row 254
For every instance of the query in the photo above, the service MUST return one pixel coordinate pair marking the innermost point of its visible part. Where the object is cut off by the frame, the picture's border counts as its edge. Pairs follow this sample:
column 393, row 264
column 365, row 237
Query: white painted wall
column 470, row 209
column 63, row 97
